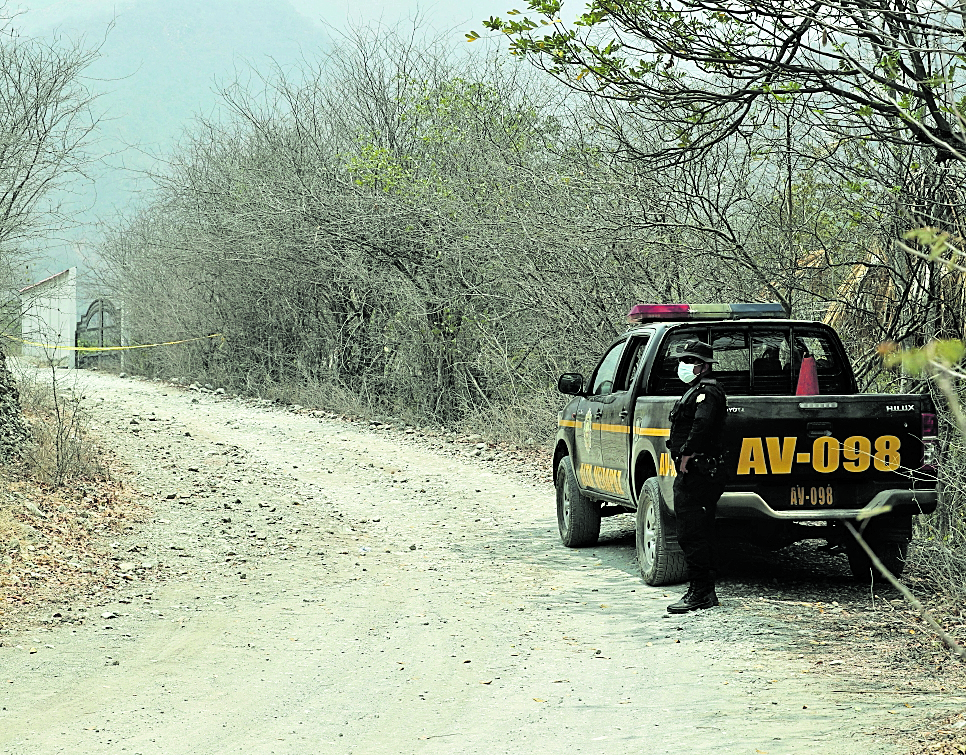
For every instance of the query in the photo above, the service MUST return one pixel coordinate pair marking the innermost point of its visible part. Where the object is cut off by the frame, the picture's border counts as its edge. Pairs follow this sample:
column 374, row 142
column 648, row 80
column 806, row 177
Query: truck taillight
column 930, row 443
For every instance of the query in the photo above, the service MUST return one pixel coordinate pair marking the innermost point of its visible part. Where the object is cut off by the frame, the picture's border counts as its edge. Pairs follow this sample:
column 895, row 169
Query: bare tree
column 46, row 129
column 436, row 238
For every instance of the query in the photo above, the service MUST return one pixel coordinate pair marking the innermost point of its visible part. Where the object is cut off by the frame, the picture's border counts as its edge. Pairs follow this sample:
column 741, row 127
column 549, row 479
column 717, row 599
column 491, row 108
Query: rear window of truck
column 756, row 360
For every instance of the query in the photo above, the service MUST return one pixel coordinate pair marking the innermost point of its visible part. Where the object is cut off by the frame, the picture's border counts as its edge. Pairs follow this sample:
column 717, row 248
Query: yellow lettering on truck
column 751, row 458
column 777, row 456
column 601, row 478
column 781, row 457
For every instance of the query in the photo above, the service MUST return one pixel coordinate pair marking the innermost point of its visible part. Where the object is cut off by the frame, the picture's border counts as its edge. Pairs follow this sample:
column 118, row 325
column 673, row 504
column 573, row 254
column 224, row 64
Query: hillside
column 161, row 62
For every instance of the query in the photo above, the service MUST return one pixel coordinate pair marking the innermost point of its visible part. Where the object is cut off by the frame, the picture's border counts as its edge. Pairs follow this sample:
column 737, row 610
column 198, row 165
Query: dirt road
column 311, row 586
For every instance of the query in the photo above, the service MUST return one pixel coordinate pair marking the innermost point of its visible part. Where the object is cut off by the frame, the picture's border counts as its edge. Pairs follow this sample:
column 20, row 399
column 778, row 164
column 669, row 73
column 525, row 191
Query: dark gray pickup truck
column 797, row 466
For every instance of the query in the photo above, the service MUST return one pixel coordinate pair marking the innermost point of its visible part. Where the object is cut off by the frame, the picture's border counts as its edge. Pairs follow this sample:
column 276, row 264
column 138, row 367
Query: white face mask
column 686, row 372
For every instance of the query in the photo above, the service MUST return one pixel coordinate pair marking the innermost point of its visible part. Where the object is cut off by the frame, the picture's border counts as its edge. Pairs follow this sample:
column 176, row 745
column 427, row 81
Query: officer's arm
column 704, row 433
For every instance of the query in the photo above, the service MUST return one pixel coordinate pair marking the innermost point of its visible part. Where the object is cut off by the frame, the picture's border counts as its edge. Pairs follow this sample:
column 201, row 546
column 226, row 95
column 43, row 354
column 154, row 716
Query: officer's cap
column 698, row 350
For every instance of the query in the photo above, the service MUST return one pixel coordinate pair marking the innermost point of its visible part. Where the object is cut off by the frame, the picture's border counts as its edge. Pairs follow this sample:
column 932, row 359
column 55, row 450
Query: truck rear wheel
column 578, row 517
column 892, row 554
column 661, row 562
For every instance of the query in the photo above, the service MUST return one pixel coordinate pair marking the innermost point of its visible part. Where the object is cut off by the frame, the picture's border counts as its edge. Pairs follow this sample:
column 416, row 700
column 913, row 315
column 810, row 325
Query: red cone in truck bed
column 807, row 378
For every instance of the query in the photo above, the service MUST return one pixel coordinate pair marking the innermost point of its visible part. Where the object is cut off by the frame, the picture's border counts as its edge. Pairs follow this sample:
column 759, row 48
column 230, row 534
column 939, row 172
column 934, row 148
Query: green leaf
column 935, row 354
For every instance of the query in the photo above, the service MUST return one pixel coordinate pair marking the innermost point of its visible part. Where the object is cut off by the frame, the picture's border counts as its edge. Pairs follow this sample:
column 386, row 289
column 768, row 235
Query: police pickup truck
column 804, row 452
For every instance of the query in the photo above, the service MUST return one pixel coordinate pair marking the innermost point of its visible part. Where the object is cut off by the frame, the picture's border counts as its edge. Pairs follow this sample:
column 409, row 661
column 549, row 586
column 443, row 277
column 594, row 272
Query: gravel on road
column 308, row 585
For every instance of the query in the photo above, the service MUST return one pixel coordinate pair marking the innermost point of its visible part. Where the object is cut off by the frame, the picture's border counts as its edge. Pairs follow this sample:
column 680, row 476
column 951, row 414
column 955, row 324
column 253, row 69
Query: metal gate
column 99, row 327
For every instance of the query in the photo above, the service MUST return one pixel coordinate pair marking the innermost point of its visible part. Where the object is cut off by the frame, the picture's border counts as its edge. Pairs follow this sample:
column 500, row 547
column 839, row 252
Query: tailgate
column 824, row 451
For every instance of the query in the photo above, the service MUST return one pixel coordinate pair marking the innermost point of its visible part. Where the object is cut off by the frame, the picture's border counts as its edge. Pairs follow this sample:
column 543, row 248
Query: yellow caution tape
column 112, row 348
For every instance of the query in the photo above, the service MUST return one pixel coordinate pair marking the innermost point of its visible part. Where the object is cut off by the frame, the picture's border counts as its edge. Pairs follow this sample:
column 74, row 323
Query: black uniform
column 697, row 420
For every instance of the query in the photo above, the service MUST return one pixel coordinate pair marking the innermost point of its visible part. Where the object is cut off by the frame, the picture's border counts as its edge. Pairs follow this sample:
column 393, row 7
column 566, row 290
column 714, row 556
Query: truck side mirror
column 571, row 383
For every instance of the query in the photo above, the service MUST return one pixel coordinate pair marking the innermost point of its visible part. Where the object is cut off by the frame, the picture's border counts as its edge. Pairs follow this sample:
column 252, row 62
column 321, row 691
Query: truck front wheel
column 578, row 517
column 661, row 561
column 892, row 554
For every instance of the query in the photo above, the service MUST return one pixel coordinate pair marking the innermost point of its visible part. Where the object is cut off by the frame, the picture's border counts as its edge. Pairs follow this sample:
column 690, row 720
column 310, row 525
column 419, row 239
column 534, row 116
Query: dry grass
column 946, row 735
column 939, row 564
column 61, row 451
column 526, row 422
column 51, row 540
column 57, row 503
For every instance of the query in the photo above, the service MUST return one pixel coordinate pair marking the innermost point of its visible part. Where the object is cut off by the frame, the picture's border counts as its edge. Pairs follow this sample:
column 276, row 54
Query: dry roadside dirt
column 307, row 585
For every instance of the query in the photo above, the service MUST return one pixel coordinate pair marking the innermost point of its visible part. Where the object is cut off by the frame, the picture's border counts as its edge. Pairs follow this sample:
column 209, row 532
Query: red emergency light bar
column 641, row 313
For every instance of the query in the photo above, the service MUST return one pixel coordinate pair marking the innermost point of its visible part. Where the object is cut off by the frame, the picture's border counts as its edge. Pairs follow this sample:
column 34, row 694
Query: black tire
column 891, row 553
column 578, row 517
column 660, row 559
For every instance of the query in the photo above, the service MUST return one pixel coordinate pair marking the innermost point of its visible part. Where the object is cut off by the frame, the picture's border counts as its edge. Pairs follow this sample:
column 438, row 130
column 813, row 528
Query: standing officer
column 697, row 420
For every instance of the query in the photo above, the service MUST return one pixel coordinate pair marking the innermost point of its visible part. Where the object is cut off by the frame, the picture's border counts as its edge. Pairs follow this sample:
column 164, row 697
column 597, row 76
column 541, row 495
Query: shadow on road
column 803, row 571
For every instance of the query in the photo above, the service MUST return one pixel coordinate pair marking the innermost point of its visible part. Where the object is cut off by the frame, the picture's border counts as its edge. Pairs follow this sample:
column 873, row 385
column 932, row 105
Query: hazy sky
column 160, row 65
column 445, row 14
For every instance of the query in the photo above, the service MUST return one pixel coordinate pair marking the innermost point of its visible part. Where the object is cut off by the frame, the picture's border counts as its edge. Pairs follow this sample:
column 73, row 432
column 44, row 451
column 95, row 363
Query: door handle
column 599, row 414
column 623, row 414
column 818, row 429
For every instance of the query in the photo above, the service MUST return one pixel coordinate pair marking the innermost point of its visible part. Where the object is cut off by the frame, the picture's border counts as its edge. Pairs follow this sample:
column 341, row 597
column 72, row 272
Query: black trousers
column 695, row 503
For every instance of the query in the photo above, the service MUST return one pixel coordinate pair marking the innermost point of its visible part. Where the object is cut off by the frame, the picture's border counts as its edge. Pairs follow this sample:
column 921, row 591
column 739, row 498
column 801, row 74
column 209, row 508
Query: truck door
column 587, row 448
column 617, row 416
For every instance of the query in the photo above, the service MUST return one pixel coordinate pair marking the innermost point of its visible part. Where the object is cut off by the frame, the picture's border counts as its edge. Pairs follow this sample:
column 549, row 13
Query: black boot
column 699, row 595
